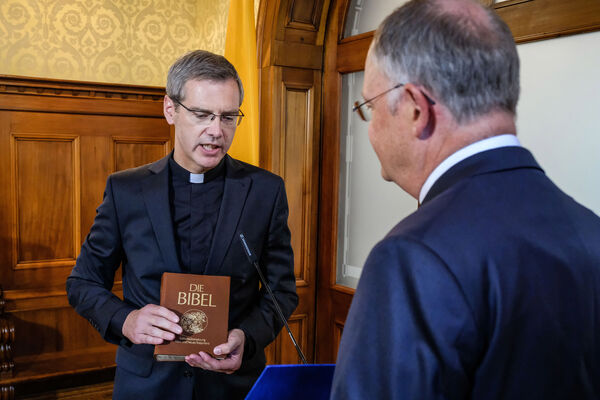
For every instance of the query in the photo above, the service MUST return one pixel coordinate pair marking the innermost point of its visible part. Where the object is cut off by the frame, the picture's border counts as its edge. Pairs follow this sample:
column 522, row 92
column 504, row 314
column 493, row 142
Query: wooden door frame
column 333, row 300
column 290, row 55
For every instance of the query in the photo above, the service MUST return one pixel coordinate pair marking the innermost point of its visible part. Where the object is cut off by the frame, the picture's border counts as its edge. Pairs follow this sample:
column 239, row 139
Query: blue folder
column 293, row 382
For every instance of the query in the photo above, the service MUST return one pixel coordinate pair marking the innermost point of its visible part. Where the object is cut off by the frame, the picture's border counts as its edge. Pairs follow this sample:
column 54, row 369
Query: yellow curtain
column 240, row 50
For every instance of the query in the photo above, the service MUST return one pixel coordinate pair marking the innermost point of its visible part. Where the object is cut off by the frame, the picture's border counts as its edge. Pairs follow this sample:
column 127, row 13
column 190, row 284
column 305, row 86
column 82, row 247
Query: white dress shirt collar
column 493, row 142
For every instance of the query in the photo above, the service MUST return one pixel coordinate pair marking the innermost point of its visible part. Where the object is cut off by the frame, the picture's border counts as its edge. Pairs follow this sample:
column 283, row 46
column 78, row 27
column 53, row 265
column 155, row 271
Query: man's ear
column 423, row 117
column 169, row 110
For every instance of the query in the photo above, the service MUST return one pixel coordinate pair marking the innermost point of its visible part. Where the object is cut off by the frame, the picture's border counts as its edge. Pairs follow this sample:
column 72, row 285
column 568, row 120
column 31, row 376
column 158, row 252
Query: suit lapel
column 155, row 189
column 235, row 192
column 495, row 160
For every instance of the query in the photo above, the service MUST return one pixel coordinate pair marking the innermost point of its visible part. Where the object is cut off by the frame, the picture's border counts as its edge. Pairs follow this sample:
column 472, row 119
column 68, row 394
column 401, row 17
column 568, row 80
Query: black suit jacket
column 133, row 227
column 490, row 290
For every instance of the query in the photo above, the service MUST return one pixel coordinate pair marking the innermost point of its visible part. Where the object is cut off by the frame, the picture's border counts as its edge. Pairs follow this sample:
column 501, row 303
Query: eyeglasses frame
column 212, row 114
column 358, row 107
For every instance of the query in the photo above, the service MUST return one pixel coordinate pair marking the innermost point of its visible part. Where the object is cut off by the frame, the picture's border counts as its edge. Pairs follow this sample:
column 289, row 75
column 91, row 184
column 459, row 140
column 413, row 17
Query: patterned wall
column 116, row 41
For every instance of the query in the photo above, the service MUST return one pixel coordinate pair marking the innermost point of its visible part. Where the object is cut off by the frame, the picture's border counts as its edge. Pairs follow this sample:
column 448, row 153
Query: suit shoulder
column 135, row 173
column 126, row 174
column 402, row 241
column 254, row 171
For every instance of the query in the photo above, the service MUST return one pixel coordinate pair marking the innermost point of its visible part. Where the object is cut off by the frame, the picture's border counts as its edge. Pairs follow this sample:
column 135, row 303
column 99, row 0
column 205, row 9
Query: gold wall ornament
column 117, row 41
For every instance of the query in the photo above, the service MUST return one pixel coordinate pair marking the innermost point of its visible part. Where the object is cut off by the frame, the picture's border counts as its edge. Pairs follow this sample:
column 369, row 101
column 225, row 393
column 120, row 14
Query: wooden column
column 7, row 337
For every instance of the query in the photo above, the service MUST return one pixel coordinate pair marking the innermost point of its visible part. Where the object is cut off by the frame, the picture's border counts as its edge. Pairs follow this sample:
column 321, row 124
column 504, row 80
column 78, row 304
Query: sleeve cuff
column 115, row 326
column 249, row 346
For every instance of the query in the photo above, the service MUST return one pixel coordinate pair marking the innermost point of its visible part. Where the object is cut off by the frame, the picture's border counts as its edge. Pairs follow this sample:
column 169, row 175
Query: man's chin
column 385, row 176
column 208, row 163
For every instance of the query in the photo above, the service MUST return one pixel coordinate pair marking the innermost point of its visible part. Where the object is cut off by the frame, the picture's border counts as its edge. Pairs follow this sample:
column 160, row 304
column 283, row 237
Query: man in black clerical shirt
column 195, row 204
column 184, row 213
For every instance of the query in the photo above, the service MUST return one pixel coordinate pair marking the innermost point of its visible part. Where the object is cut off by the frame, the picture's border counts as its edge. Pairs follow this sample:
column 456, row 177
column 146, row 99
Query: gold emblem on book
column 193, row 321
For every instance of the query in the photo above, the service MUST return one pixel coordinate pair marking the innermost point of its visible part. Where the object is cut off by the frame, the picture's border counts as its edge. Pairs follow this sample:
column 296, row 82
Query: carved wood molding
column 71, row 142
column 73, row 97
column 305, row 15
column 60, row 88
column 7, row 337
column 18, row 301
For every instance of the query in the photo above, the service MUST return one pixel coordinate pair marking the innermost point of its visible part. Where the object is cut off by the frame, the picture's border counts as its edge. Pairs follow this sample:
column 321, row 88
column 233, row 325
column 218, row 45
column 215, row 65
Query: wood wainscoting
column 59, row 141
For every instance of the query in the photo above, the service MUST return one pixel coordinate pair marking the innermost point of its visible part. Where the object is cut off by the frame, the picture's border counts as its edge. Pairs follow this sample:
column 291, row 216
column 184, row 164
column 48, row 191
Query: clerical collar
column 183, row 174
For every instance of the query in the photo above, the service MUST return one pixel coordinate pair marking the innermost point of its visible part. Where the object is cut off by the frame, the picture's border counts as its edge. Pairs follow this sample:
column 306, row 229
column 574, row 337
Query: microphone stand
column 252, row 258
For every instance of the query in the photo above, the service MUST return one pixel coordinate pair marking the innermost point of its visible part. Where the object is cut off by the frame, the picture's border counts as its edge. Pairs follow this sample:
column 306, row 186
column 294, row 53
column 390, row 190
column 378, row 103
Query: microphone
column 253, row 260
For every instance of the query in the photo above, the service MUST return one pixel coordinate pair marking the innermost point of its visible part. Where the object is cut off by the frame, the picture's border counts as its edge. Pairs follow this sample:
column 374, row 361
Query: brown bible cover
column 202, row 304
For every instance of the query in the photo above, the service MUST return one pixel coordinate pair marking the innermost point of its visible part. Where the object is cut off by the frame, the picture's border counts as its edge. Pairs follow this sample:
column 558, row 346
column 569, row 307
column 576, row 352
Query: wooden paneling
column 297, row 55
column 299, row 327
column 296, row 159
column 338, row 330
column 45, row 181
column 544, row 19
column 133, row 152
column 332, row 304
column 305, row 14
column 100, row 391
column 59, row 141
column 293, row 154
column 352, row 53
column 290, row 38
column 299, row 21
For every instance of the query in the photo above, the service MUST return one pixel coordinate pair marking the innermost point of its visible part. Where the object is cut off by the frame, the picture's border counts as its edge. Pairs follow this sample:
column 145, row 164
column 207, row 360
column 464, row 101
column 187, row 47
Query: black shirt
column 195, row 208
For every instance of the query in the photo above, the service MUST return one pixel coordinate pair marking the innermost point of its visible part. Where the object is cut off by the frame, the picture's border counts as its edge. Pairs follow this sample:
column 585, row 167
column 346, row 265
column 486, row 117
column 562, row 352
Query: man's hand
column 151, row 324
column 233, row 352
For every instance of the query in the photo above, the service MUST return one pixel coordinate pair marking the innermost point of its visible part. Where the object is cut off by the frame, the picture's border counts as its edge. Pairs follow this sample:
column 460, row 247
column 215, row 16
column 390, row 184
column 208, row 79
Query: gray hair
column 200, row 65
column 469, row 64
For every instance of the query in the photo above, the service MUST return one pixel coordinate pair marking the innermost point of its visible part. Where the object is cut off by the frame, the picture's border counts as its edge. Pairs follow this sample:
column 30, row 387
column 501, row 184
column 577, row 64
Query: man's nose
column 215, row 126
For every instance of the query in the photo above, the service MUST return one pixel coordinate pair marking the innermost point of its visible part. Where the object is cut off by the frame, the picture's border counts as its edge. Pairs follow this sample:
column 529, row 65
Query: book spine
column 163, row 288
column 169, row 357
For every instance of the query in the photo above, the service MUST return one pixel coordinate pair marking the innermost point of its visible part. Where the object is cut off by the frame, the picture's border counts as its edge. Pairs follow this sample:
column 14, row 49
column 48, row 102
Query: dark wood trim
column 29, row 369
column 329, row 301
column 545, row 19
column 290, row 51
column 46, row 299
column 522, row 16
column 50, row 95
column 81, row 87
column 298, row 55
column 7, row 364
column 352, row 53
column 313, row 23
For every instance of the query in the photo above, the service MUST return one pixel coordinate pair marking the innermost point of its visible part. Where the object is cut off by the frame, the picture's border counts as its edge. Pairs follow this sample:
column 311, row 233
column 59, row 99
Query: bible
column 202, row 304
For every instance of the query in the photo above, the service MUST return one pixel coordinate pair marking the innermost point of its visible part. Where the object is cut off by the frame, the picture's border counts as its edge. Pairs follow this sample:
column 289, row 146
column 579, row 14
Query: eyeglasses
column 205, row 117
column 365, row 112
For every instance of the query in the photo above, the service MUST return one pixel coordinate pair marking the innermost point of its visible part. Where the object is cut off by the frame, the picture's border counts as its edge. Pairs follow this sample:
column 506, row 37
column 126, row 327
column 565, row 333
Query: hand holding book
column 151, row 324
column 232, row 353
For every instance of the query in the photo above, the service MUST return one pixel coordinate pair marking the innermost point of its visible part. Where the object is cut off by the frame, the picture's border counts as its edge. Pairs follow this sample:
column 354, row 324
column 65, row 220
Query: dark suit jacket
column 490, row 290
column 133, row 226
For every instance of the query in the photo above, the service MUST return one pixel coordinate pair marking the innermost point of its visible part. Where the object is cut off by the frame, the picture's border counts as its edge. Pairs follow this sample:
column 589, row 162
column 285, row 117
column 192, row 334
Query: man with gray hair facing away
column 491, row 289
